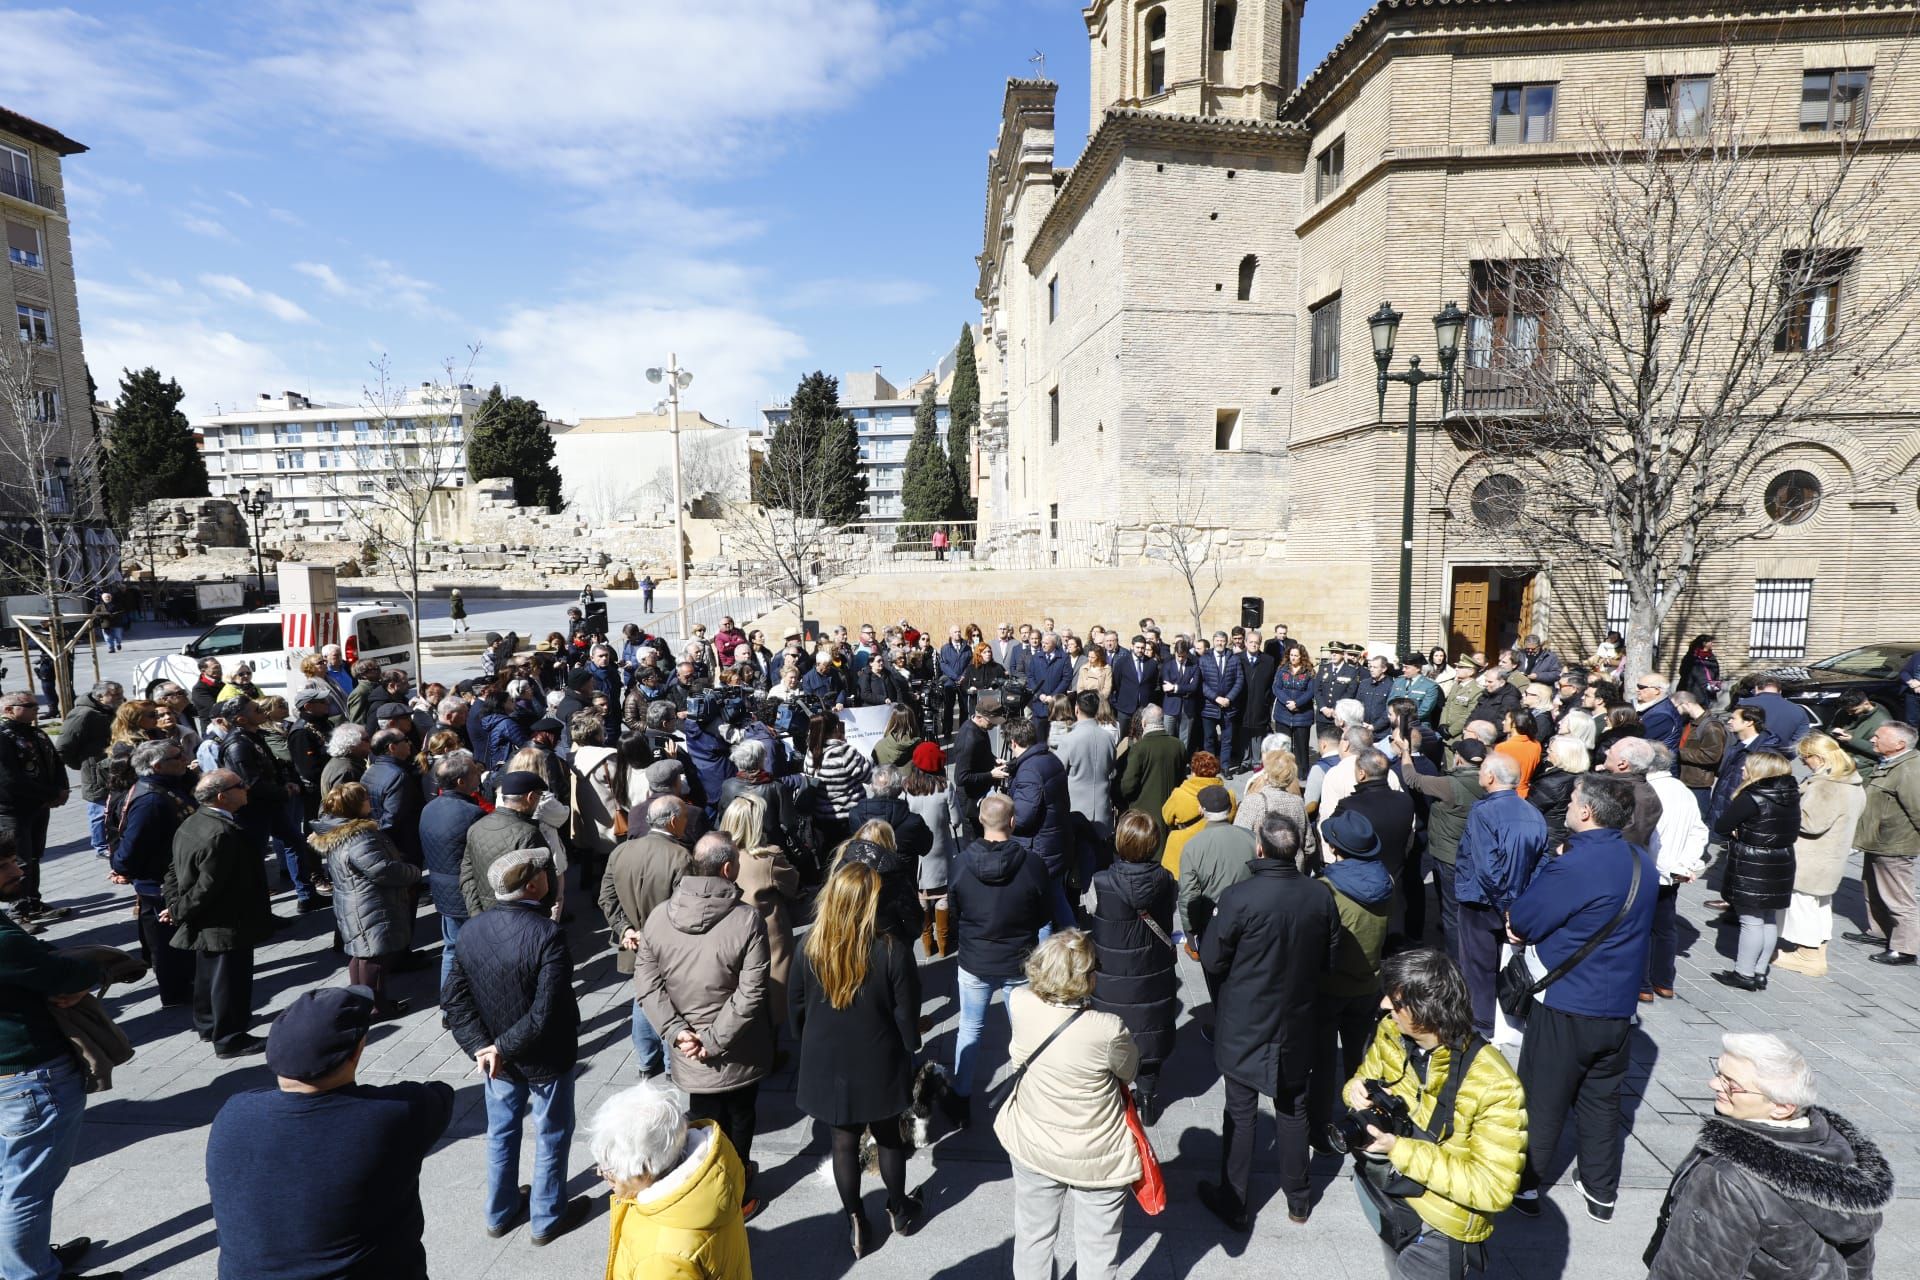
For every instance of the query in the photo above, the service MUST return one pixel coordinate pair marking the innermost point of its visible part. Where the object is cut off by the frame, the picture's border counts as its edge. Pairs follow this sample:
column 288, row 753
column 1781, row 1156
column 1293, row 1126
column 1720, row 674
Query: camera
column 1015, row 694
column 1383, row 1111
column 728, row 705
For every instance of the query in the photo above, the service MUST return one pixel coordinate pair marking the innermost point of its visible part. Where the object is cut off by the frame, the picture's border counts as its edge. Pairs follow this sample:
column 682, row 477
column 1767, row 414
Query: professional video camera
column 1383, row 1111
column 728, row 705
column 1015, row 694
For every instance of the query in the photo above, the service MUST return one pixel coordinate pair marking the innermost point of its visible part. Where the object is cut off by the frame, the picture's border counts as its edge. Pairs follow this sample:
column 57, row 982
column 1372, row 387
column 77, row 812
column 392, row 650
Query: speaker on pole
column 1253, row 612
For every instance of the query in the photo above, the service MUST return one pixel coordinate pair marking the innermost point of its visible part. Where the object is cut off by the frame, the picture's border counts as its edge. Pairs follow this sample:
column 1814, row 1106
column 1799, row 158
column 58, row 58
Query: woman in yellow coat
column 1181, row 812
column 675, row 1213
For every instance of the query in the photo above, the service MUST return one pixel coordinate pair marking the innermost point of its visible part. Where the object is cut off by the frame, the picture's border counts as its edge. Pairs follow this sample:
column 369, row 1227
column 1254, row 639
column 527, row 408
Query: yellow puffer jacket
column 1181, row 814
column 686, row 1226
column 1475, row 1173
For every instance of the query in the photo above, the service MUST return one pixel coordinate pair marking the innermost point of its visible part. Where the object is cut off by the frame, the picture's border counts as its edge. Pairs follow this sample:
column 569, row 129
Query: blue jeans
column 649, row 1053
column 114, row 636
column 449, row 937
column 976, row 995
column 1217, row 736
column 97, row 827
column 295, row 853
column 40, row 1111
column 508, row 1102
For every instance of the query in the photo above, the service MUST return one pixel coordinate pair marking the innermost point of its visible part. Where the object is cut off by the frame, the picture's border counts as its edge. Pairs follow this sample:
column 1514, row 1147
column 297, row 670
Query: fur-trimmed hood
column 1832, row 1174
column 329, row 833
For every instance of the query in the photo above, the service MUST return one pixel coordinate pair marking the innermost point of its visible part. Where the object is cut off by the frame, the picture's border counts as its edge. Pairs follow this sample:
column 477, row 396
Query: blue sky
column 279, row 194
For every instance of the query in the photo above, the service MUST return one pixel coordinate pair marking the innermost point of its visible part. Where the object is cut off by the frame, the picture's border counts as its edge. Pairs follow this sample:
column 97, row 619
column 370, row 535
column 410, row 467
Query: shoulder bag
column 1384, row 1188
column 999, row 1095
column 1517, row 983
column 1151, row 1189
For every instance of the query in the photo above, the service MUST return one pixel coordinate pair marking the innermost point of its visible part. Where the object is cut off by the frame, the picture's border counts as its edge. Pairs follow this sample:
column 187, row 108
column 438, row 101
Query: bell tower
column 1233, row 58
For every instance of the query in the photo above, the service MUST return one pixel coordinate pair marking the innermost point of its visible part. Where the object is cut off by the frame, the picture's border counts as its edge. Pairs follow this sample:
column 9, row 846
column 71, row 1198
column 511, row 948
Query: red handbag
column 1151, row 1190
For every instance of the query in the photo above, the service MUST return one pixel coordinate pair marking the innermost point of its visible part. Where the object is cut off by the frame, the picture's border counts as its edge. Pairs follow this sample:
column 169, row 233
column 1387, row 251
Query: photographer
column 1432, row 1198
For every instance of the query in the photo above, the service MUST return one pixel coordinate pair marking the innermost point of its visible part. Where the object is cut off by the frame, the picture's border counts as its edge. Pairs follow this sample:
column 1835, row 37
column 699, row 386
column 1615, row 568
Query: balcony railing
column 1510, row 385
column 21, row 187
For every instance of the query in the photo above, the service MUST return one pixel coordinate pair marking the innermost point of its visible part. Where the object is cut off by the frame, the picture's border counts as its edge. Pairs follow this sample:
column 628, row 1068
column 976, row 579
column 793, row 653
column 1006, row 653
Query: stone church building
column 1183, row 311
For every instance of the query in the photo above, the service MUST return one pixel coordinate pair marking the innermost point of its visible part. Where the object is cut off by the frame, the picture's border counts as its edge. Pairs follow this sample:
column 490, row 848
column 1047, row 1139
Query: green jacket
column 1155, row 765
column 216, row 887
column 1859, row 742
column 30, row 971
column 82, row 745
column 1472, row 1175
column 1363, row 935
column 1452, row 795
column 1213, row 860
column 1890, row 824
column 1461, row 699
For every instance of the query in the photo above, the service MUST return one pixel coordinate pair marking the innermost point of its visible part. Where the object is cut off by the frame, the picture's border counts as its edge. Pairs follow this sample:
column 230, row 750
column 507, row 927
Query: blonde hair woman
column 1831, row 801
column 1760, row 824
column 1275, row 789
column 1064, row 1127
column 855, row 1006
column 769, row 883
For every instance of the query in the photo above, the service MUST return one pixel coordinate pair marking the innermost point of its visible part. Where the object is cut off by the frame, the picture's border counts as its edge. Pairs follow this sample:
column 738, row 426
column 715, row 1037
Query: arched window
column 1249, row 268
column 1154, row 69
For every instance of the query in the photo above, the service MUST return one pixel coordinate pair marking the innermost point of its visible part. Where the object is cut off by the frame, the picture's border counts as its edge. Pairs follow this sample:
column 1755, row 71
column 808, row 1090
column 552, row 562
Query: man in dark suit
column 973, row 760
column 1019, row 659
column 1256, row 706
column 1391, row 813
column 953, row 660
column 1136, row 681
column 1049, row 674
column 1223, row 687
column 216, row 892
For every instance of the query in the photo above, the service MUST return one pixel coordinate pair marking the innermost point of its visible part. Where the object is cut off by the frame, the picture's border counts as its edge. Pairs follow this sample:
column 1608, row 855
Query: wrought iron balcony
column 21, row 187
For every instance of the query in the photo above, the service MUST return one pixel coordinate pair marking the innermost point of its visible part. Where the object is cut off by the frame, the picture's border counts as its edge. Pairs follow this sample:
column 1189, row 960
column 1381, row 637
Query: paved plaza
column 139, row 1184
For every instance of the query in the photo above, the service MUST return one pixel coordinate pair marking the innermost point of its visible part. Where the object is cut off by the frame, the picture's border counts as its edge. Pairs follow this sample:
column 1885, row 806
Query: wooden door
column 1529, row 597
column 1472, row 591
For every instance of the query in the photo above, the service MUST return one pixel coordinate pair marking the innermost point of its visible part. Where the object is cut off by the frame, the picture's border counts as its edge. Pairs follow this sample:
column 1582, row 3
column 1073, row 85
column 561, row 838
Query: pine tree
column 151, row 454
column 509, row 437
column 927, row 490
column 843, row 488
column 963, row 407
column 789, row 477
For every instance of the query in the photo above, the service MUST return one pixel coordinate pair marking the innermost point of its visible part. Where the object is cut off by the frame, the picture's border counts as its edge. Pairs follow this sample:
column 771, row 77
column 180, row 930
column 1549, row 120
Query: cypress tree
column 963, row 420
column 151, row 454
column 843, row 485
column 927, row 490
column 509, row 437
column 788, row 478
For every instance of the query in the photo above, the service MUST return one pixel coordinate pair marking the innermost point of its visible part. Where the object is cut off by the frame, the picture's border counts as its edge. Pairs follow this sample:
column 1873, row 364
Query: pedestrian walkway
column 139, row 1183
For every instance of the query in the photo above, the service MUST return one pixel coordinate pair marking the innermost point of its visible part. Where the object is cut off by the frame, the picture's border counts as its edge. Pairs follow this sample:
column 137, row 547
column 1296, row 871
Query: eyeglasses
column 1733, row 1087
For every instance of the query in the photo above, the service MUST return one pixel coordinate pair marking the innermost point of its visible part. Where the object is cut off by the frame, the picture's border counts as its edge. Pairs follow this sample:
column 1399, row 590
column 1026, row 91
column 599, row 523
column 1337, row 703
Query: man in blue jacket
column 1222, row 686
column 1504, row 839
column 1136, row 681
column 1659, row 718
column 1576, row 1050
column 953, row 660
column 443, row 843
column 1374, row 691
column 1787, row 721
column 1049, row 674
column 1746, row 731
column 1042, row 809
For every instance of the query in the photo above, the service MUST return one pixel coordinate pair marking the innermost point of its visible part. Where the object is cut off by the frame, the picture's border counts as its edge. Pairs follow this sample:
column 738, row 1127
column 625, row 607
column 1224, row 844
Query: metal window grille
column 1619, row 605
column 1780, row 609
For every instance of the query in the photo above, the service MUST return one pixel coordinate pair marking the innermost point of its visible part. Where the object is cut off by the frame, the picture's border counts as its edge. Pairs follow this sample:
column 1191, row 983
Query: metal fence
column 1781, row 607
column 1032, row 543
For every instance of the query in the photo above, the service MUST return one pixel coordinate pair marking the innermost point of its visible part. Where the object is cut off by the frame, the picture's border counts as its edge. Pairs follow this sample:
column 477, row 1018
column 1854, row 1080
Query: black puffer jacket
column 1761, row 824
column 999, row 896
column 1759, row 1202
column 1550, row 793
column 1136, row 978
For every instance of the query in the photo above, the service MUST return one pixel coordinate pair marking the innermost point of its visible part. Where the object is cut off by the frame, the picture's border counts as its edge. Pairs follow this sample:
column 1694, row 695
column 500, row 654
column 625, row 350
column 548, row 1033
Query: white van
column 376, row 629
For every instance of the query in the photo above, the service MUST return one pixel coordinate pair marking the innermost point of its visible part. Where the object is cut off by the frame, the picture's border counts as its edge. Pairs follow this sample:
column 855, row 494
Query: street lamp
column 1384, row 325
column 677, row 380
column 255, row 503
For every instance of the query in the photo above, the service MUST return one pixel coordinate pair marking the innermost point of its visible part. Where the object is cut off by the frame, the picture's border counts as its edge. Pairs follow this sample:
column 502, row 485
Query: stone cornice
column 1024, row 98
column 1124, row 127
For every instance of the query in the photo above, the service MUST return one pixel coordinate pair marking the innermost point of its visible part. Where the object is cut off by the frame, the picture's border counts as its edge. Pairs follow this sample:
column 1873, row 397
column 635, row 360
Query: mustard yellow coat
column 1181, row 813
column 687, row 1226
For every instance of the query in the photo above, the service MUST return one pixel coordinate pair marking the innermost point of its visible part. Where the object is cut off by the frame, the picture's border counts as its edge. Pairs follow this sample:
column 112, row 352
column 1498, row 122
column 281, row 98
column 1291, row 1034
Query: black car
column 1824, row 686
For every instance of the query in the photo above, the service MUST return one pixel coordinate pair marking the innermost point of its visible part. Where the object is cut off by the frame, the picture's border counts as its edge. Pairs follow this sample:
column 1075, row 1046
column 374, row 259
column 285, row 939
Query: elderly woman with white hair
column 348, row 748
column 676, row 1189
column 1775, row 1186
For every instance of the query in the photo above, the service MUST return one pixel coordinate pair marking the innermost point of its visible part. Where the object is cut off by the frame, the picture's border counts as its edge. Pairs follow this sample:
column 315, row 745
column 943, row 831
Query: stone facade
column 1112, row 291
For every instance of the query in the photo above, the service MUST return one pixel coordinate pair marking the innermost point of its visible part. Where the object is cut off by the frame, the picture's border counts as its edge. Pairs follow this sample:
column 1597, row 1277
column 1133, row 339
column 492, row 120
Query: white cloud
column 87, row 75
column 213, row 365
column 588, row 357
column 205, row 226
column 329, row 279
column 385, row 287
column 233, row 287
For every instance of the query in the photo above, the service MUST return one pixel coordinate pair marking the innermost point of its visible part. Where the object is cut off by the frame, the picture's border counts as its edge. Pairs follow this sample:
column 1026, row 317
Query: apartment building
column 51, row 357
column 883, row 416
column 1194, row 293
column 316, row 460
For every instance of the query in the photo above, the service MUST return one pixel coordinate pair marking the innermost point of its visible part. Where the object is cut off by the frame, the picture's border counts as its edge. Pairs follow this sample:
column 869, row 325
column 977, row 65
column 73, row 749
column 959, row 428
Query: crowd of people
column 1045, row 818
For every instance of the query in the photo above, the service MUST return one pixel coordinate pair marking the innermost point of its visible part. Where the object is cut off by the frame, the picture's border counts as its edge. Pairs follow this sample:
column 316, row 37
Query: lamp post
column 1385, row 326
column 677, row 380
column 255, row 503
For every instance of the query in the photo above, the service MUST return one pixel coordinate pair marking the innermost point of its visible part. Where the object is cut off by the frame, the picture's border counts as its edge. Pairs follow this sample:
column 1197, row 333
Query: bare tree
column 1177, row 536
column 407, row 459
column 781, row 541
column 53, row 535
column 1704, row 292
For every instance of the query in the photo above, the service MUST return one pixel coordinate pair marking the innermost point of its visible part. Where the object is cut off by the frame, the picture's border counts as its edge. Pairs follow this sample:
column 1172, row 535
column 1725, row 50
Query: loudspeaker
column 810, row 631
column 1253, row 612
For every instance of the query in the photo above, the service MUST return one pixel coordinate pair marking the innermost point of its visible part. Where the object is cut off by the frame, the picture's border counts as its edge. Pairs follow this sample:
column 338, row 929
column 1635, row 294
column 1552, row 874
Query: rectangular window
column 1781, row 607
column 296, row 460
column 360, row 428
column 293, row 433
column 1523, row 113
column 1053, row 415
column 1053, row 299
column 23, row 244
column 1507, row 313
column 1619, row 605
column 35, row 325
column 366, row 486
column 46, row 404
column 16, row 174
column 1832, row 100
column 59, row 500
column 1677, row 106
column 279, row 462
column 1324, row 364
column 1810, row 298
column 1226, row 430
column 1330, row 168
column 246, row 435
